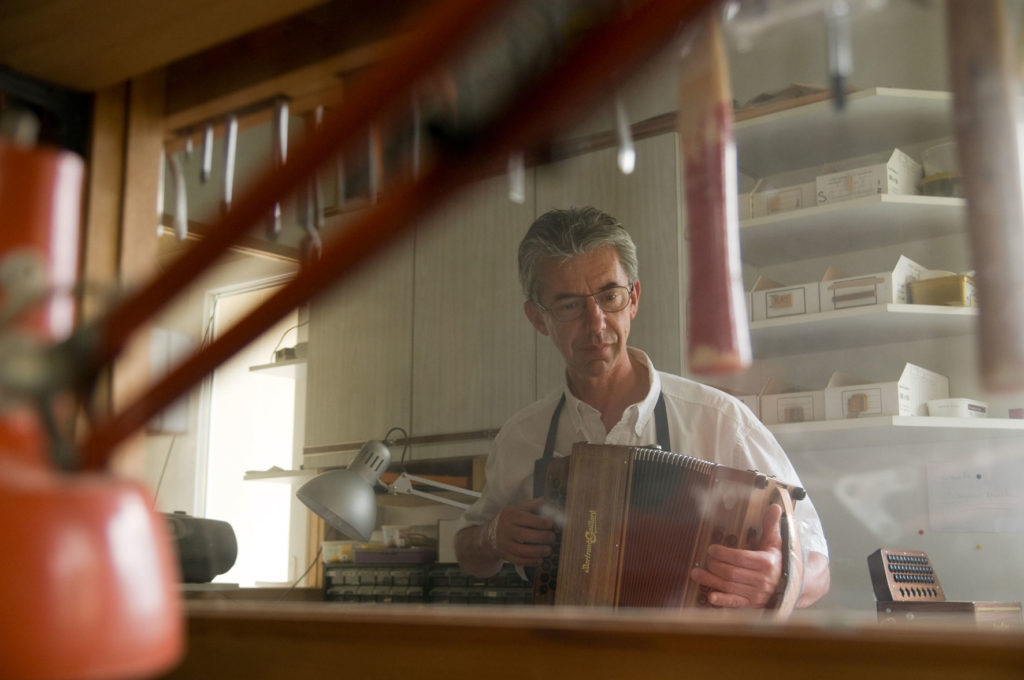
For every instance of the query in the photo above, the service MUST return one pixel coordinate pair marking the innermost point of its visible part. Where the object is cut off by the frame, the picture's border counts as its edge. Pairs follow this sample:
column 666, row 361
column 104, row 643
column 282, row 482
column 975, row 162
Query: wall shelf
column 814, row 134
column 857, row 224
column 859, row 327
column 858, row 433
column 289, row 368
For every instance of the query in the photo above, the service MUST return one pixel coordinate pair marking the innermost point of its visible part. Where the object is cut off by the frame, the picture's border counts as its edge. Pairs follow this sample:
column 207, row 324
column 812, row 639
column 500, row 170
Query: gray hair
column 564, row 234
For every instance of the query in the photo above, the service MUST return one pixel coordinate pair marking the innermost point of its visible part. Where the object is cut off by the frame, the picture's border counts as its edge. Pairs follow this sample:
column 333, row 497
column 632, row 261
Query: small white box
column 872, row 289
column 783, row 199
column 900, row 174
column 446, row 540
column 957, row 408
column 793, row 407
column 850, row 397
column 771, row 300
column 743, row 208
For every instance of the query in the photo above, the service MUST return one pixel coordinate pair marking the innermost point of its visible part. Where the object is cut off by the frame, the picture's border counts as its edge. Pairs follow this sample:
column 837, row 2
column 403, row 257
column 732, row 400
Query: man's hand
column 744, row 578
column 517, row 534
column 521, row 536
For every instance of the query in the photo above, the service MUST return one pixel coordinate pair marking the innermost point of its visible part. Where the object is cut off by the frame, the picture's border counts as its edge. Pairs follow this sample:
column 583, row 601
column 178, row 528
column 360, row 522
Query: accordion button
column 752, row 536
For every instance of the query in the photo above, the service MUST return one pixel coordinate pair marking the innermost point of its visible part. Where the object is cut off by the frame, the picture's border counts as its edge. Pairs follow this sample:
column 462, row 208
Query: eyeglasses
column 613, row 299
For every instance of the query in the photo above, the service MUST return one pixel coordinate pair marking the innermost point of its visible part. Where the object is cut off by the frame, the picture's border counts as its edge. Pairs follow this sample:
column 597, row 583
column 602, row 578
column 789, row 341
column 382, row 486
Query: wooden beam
column 101, row 231
column 93, row 44
column 304, row 54
column 137, row 249
column 251, row 640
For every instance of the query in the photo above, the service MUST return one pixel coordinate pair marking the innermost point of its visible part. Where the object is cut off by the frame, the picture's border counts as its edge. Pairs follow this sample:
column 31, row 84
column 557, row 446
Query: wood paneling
column 360, row 352
column 473, row 348
column 92, row 44
column 137, row 248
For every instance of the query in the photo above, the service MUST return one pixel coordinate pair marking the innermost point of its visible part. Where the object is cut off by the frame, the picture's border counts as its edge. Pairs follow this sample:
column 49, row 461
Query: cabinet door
column 473, row 348
column 647, row 204
column 360, row 335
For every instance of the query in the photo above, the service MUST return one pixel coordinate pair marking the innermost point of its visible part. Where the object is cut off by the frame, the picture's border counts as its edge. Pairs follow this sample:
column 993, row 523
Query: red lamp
column 87, row 582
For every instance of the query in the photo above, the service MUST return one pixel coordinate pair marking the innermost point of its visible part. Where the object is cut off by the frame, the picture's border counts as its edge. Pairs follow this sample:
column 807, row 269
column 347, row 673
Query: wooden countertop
column 228, row 639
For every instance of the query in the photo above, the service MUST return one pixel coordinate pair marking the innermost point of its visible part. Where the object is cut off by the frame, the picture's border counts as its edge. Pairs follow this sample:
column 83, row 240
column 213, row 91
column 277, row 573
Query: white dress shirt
column 703, row 423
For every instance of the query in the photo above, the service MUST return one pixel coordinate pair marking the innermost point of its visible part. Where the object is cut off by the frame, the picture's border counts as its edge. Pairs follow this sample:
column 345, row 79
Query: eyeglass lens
column 610, row 300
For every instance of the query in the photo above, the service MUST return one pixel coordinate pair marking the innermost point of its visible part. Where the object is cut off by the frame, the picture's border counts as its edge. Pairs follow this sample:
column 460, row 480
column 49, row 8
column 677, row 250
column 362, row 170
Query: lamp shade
column 345, row 498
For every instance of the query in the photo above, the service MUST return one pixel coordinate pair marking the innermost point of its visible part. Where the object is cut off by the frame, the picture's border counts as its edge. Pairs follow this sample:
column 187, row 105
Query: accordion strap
column 660, row 426
column 792, row 581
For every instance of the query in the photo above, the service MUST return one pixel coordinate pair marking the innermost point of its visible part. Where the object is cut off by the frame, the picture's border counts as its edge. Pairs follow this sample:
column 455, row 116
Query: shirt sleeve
column 501, row 488
column 758, row 447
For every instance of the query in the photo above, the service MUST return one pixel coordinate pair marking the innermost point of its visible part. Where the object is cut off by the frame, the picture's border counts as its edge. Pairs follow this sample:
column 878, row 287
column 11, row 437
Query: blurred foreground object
column 987, row 115
column 718, row 337
column 87, row 586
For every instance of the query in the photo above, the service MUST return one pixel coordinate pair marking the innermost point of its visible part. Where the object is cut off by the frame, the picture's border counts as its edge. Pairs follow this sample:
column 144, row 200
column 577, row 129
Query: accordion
column 631, row 522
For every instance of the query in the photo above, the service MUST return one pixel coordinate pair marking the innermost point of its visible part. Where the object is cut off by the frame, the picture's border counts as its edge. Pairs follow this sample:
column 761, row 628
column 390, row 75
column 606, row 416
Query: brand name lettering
column 591, row 538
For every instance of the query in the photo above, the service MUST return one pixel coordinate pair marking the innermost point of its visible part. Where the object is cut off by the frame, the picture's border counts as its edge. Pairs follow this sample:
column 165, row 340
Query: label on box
column 787, row 302
column 770, row 201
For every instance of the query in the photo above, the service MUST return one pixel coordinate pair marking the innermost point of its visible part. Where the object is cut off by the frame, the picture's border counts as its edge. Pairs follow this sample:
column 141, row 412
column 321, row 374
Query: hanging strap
column 660, row 426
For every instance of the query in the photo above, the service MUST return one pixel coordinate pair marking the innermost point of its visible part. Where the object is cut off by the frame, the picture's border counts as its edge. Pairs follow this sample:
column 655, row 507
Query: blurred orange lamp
column 88, row 576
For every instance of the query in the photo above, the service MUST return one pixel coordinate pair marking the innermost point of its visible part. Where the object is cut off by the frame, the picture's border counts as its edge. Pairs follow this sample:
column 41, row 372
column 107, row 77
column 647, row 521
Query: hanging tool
column 280, row 156
column 230, row 150
column 840, row 53
column 986, row 114
column 376, row 161
column 516, row 177
column 160, row 179
column 416, row 135
column 313, row 205
column 718, row 338
column 180, row 198
column 207, row 165
column 627, row 151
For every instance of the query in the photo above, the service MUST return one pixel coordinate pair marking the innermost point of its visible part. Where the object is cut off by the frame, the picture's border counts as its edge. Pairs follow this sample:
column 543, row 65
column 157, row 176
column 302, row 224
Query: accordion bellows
column 631, row 522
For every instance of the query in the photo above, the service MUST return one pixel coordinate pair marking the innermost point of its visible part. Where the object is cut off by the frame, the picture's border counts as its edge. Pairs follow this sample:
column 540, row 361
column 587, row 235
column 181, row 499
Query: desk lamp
column 345, row 499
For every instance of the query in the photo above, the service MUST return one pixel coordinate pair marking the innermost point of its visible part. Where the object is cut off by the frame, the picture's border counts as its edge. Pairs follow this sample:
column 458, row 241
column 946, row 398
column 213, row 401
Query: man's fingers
column 772, row 537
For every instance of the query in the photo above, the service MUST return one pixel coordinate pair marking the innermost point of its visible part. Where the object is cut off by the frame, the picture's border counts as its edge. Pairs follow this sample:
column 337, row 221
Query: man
column 579, row 272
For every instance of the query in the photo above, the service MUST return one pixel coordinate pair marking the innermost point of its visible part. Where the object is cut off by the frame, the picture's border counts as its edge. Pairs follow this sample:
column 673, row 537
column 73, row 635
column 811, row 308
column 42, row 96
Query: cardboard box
column 769, row 201
column 744, row 202
column 792, row 406
column 771, row 300
column 957, row 408
column 847, row 396
column 899, row 174
column 944, row 288
column 872, row 289
column 743, row 209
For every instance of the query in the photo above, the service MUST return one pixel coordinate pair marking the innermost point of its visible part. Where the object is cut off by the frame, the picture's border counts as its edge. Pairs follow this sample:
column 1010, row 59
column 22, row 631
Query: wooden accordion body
column 631, row 522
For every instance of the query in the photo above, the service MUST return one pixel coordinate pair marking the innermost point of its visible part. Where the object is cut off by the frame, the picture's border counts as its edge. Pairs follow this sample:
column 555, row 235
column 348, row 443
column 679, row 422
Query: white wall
column 179, row 489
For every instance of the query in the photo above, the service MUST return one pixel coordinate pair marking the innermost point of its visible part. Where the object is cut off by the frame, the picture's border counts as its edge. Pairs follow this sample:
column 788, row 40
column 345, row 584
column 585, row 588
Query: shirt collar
column 640, row 413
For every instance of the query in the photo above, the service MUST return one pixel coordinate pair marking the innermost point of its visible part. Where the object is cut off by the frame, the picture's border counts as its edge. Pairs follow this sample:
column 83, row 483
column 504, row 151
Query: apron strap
column 660, row 426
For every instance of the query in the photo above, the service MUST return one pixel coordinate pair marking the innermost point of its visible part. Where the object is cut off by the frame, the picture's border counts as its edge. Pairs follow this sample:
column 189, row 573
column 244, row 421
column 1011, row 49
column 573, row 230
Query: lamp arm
column 404, row 483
